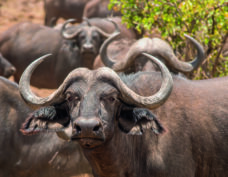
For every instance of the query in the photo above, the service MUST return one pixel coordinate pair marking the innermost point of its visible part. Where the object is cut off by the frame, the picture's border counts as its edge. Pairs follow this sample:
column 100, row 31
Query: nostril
column 96, row 128
column 87, row 46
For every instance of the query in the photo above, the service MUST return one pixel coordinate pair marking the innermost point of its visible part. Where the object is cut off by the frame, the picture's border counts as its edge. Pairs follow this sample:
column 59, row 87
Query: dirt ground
column 15, row 11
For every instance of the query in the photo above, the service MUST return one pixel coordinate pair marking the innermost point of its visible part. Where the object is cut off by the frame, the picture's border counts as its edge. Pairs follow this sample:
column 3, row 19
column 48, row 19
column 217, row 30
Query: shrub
column 204, row 20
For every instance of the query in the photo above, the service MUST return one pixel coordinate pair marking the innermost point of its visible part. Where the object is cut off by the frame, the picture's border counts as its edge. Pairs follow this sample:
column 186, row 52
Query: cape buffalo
column 36, row 156
column 6, row 68
column 137, row 125
column 54, row 9
column 105, row 25
column 24, row 42
column 124, row 55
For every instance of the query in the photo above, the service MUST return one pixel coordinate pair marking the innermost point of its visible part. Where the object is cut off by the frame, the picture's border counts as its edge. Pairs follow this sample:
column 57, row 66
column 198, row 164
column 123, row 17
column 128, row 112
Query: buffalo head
column 88, row 38
column 90, row 105
column 156, row 47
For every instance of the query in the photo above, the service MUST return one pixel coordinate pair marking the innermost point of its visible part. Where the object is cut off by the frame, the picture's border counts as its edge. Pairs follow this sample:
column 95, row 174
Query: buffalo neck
column 87, row 60
column 122, row 156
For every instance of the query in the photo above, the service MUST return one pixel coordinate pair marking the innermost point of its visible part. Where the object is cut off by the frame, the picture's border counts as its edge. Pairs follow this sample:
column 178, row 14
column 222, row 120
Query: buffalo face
column 93, row 112
column 89, row 41
column 88, row 38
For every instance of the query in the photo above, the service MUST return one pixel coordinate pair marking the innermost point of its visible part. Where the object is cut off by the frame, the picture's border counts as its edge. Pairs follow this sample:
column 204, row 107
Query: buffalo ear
column 45, row 119
column 135, row 121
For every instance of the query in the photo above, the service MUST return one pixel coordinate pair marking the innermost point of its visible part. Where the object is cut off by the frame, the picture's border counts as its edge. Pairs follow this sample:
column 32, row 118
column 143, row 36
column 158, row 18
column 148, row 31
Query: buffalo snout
column 87, row 128
column 88, row 48
column 88, row 132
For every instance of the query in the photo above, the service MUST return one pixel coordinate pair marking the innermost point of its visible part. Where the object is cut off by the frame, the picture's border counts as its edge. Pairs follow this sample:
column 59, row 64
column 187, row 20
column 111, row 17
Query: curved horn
column 55, row 97
column 117, row 30
column 133, row 98
column 159, row 48
column 200, row 53
column 103, row 50
column 65, row 34
column 182, row 66
column 87, row 21
column 140, row 46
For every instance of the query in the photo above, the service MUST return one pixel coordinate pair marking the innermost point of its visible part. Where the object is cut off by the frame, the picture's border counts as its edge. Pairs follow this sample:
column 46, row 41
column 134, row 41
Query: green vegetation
column 204, row 20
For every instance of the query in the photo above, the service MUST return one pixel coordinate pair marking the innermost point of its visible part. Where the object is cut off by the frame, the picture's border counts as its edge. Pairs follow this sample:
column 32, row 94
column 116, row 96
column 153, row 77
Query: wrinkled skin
column 186, row 136
column 39, row 155
column 77, row 9
column 24, row 42
column 6, row 68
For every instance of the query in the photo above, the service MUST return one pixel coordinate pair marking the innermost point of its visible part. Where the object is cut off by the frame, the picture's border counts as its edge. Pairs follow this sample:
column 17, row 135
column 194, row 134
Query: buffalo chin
column 88, row 52
column 88, row 143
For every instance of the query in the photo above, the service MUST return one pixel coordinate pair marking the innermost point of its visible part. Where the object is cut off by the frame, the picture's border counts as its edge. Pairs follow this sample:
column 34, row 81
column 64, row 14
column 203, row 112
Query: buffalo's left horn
column 65, row 34
column 55, row 97
column 133, row 98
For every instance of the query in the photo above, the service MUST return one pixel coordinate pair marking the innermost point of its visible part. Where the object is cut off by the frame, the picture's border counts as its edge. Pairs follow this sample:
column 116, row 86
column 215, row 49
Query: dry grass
column 15, row 11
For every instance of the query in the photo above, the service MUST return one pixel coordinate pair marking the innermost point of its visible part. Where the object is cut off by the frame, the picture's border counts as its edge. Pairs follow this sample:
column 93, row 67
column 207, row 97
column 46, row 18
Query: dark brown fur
column 24, row 42
column 34, row 156
column 195, row 120
column 54, row 9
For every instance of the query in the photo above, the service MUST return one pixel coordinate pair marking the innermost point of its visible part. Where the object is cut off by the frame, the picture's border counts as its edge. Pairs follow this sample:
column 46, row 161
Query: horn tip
column 187, row 36
column 146, row 54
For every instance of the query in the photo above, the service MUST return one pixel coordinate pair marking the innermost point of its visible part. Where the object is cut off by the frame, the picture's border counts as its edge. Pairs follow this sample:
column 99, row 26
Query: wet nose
column 88, row 46
column 87, row 126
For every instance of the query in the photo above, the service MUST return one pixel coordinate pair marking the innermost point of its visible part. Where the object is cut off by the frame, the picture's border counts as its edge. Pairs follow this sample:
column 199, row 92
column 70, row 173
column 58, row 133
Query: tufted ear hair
column 135, row 121
column 46, row 119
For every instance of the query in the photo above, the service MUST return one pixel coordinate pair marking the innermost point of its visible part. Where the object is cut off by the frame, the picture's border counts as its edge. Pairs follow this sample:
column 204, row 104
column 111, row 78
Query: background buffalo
column 32, row 156
column 77, row 9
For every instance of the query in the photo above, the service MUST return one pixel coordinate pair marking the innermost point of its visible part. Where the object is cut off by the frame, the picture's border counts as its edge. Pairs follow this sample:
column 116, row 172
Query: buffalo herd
column 122, row 105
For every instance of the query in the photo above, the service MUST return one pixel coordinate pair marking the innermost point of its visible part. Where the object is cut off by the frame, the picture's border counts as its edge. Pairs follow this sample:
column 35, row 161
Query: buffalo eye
column 109, row 99
column 95, row 35
column 72, row 98
column 82, row 36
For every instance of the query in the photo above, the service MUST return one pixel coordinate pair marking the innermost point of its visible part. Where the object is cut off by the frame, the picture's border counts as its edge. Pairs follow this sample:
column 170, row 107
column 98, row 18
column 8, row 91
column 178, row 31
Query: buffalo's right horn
column 56, row 96
column 65, row 34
